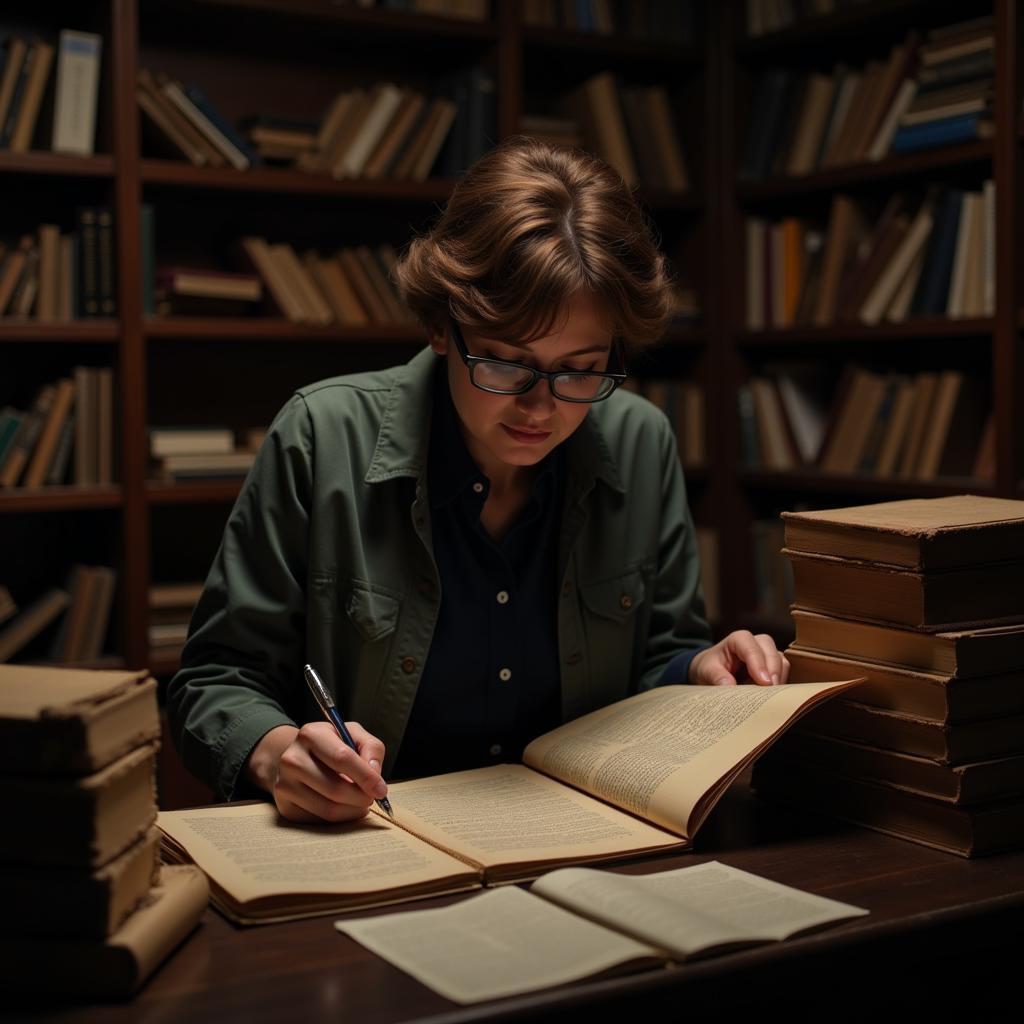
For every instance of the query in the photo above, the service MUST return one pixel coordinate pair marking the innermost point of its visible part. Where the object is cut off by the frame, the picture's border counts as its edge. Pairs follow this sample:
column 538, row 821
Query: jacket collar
column 404, row 435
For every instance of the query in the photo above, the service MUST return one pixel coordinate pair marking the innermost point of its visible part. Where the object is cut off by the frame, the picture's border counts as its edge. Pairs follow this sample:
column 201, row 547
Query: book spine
column 78, row 78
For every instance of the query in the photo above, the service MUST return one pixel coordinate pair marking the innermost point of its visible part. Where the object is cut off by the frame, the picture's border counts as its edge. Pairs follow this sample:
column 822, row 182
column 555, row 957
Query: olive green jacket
column 326, row 559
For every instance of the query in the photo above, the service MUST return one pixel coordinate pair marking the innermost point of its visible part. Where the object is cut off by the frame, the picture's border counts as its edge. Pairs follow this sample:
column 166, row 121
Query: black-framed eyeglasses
column 502, row 377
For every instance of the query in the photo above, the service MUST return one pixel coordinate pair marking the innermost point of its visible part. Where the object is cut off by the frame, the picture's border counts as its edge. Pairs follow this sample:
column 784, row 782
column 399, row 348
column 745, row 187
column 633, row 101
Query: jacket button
column 566, row 588
column 626, row 601
column 425, row 587
column 574, row 659
column 408, row 666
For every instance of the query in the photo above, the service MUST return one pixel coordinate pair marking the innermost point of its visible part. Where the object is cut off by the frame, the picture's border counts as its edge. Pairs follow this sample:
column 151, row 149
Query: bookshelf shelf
column 886, row 333
column 58, row 164
column 253, row 328
column 891, row 169
column 204, row 492
column 861, row 17
column 269, row 179
column 872, row 487
column 541, row 38
column 60, row 499
column 85, row 331
column 355, row 18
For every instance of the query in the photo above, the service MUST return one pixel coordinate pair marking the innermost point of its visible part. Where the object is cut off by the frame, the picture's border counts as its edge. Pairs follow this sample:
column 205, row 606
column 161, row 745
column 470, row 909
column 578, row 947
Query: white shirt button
column 502, row 597
column 505, row 675
column 495, row 750
column 478, row 487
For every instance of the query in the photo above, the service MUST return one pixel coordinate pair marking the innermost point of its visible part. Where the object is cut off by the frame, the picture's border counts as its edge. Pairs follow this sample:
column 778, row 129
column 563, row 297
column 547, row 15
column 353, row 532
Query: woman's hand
column 740, row 658
column 313, row 776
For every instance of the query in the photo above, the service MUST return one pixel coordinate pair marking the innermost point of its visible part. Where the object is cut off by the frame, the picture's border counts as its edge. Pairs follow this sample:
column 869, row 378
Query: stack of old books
column 90, row 910
column 925, row 600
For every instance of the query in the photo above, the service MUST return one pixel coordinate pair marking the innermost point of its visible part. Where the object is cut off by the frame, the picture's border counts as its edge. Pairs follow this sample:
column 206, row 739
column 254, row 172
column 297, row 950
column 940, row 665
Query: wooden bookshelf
column 65, row 498
column 64, row 332
column 165, row 368
column 853, row 36
column 892, row 170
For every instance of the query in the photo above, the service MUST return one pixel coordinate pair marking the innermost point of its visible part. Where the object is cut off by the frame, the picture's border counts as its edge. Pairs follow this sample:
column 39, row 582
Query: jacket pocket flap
column 616, row 598
column 372, row 613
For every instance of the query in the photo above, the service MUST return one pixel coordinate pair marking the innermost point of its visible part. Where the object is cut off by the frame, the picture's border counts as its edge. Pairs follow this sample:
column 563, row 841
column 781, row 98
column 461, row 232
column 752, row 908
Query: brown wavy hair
column 527, row 228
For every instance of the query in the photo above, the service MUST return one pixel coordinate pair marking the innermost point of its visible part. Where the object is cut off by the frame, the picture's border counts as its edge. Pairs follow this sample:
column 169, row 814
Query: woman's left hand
column 741, row 657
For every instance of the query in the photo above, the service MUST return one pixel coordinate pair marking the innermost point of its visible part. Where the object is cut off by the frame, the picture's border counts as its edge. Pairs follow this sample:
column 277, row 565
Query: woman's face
column 519, row 430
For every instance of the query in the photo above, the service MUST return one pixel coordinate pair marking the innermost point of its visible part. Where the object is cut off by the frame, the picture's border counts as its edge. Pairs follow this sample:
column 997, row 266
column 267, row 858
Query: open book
column 578, row 922
column 634, row 778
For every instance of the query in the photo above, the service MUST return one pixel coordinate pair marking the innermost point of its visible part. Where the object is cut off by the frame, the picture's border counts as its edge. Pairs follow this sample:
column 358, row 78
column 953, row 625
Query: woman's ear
column 438, row 339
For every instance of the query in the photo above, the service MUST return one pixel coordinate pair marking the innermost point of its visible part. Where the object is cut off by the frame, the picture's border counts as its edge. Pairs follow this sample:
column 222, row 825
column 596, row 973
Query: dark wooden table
column 944, row 938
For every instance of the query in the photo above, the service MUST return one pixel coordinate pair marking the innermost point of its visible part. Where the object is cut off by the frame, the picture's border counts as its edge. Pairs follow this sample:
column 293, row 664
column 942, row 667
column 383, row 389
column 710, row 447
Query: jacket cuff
column 677, row 671
column 235, row 745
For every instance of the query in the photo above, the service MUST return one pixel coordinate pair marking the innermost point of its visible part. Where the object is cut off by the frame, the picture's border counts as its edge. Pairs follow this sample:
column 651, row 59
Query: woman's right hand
column 314, row 776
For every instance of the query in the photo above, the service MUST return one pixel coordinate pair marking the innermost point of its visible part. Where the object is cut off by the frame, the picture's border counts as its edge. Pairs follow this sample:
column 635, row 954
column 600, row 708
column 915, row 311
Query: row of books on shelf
column 57, row 276
column 921, row 599
column 766, row 16
column 48, row 106
column 911, row 426
column 71, row 622
column 930, row 92
column 383, row 131
column 683, row 403
column 633, row 128
column 663, row 21
column 353, row 287
column 202, row 453
column 170, row 611
column 919, row 257
column 65, row 436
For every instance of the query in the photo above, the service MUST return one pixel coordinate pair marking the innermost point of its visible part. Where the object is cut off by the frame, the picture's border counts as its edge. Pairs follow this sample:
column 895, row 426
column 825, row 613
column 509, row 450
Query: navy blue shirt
column 491, row 680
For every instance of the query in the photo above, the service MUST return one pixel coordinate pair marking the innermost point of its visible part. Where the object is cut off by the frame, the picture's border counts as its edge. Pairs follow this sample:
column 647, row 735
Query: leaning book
column 632, row 779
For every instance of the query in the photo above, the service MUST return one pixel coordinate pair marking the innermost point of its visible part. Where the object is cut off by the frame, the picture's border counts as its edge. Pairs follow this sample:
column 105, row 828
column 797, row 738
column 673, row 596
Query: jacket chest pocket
column 612, row 613
column 359, row 623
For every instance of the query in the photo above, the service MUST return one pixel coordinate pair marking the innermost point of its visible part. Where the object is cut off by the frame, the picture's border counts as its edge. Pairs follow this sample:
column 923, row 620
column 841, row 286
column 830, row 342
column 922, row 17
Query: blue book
column 222, row 125
column 945, row 132
column 932, row 292
column 584, row 16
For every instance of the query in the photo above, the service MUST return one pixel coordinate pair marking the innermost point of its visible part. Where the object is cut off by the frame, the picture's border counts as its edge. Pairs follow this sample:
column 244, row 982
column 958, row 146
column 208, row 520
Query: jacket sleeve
column 241, row 666
column 678, row 623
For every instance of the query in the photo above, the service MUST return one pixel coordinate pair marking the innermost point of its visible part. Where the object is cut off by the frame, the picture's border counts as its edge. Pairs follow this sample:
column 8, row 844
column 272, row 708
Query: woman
column 476, row 546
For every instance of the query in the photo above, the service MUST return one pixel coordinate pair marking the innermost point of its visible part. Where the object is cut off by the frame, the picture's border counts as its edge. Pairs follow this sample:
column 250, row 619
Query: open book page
column 661, row 753
column 500, row 943
column 509, row 815
column 693, row 909
column 264, row 863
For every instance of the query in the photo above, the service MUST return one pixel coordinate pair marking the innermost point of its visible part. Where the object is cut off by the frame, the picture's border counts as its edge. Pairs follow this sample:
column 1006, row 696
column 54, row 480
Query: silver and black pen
column 326, row 702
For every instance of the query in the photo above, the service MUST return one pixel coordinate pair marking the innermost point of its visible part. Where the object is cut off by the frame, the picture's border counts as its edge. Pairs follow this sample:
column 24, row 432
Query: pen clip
column 319, row 690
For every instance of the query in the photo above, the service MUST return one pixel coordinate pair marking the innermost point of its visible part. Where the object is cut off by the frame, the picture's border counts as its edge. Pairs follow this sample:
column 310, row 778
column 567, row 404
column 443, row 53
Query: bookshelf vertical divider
column 1006, row 364
column 124, row 33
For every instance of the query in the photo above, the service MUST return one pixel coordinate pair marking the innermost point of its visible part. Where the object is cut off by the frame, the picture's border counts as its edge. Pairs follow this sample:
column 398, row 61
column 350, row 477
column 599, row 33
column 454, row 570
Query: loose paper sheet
column 499, row 943
column 693, row 908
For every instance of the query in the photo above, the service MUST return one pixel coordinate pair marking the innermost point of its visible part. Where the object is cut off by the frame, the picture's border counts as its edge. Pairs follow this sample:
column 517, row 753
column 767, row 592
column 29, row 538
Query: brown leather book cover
column 960, row 598
column 944, row 744
column 917, row 533
column 963, row 655
column 969, row 832
column 932, row 696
